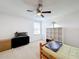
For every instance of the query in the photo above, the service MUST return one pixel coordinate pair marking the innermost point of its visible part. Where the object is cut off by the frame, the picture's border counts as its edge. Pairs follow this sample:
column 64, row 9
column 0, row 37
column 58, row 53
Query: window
column 37, row 28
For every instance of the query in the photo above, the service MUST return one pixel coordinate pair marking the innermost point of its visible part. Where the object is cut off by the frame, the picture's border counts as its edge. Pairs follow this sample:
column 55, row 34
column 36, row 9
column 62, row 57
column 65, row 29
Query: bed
column 65, row 52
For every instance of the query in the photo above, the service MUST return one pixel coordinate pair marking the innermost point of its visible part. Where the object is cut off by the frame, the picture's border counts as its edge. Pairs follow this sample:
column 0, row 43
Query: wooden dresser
column 5, row 44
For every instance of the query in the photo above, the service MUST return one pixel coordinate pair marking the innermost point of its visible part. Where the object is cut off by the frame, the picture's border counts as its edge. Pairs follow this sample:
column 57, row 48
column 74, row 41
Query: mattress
column 65, row 52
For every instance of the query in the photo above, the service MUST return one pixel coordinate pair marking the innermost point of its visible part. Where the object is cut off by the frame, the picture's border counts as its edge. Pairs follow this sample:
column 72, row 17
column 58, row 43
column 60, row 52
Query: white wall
column 43, row 30
column 71, row 36
column 10, row 24
column 70, row 23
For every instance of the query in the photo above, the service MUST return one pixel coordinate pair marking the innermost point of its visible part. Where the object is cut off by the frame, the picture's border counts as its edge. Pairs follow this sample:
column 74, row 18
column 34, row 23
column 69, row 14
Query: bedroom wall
column 71, row 36
column 44, row 26
column 10, row 24
column 70, row 24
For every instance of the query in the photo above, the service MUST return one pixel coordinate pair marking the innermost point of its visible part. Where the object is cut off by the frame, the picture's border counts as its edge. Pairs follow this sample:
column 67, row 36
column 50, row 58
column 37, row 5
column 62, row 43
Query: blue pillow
column 54, row 45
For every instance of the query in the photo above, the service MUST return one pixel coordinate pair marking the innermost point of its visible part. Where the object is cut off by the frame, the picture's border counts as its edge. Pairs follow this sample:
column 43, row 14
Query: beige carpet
column 30, row 51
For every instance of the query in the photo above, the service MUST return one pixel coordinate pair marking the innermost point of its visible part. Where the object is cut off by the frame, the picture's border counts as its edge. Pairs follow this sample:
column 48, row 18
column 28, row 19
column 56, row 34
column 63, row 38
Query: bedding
column 68, row 52
column 65, row 52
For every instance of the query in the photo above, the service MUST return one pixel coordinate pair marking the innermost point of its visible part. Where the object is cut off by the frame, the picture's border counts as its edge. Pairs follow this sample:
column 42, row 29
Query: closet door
column 55, row 34
column 60, row 34
column 49, row 32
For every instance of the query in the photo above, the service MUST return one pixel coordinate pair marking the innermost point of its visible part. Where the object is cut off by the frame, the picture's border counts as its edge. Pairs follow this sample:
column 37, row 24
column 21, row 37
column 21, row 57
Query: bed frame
column 43, row 54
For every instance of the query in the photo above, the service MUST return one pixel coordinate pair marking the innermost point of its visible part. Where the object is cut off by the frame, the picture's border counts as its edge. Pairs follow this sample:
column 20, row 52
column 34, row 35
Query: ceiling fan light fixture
column 39, row 9
column 39, row 14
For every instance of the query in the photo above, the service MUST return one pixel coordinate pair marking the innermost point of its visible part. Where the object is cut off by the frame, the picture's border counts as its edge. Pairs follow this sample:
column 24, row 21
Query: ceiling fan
column 39, row 10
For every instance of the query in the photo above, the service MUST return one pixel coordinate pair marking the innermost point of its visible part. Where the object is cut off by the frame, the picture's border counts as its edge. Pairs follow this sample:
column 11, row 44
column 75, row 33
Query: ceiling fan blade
column 46, row 11
column 29, row 10
column 42, row 16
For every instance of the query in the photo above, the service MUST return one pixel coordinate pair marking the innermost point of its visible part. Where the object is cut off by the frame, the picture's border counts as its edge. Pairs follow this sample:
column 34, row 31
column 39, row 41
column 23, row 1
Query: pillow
column 54, row 45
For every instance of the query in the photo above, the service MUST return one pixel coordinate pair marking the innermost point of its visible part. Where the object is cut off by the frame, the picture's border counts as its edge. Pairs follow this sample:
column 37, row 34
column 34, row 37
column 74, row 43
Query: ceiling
column 18, row 8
